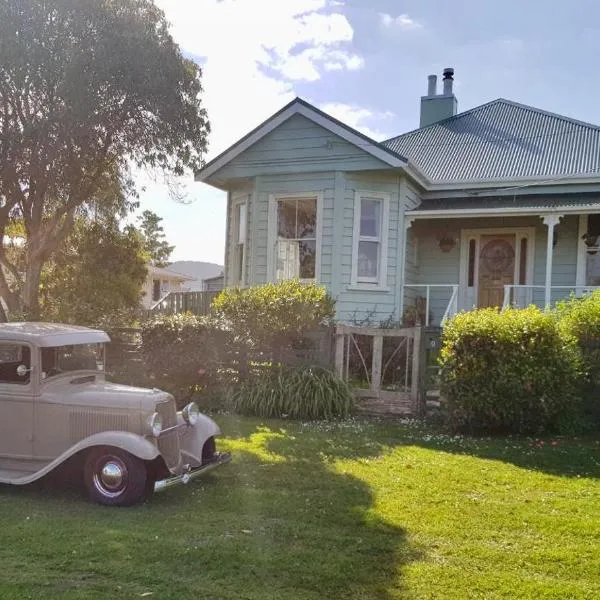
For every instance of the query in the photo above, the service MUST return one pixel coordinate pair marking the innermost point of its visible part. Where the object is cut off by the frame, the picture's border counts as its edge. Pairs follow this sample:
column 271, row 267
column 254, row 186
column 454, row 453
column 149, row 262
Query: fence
column 198, row 303
column 387, row 368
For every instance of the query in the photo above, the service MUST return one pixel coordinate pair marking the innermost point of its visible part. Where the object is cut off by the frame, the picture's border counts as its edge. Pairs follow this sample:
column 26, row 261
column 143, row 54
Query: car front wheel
column 114, row 477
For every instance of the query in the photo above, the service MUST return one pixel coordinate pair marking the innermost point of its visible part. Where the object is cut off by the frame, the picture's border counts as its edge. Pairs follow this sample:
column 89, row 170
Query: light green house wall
column 299, row 146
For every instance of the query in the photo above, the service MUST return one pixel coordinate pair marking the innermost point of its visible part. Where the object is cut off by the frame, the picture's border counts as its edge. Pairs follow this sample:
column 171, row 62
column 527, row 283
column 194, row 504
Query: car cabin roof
column 51, row 334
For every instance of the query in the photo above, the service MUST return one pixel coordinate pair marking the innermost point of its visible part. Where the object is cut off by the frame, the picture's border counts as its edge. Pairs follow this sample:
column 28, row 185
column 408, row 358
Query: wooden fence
column 388, row 369
column 198, row 303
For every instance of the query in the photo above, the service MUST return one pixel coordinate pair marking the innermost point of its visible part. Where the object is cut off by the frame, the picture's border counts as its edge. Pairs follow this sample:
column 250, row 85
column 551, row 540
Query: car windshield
column 74, row 357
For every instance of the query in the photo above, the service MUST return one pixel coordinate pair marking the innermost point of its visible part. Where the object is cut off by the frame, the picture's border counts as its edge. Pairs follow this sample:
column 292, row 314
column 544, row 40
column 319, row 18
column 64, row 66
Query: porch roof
column 506, row 205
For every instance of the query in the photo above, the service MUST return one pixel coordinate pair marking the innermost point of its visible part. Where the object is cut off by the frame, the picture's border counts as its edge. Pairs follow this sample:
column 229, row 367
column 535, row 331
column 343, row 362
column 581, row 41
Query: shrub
column 510, row 371
column 275, row 314
column 300, row 393
column 184, row 350
column 579, row 320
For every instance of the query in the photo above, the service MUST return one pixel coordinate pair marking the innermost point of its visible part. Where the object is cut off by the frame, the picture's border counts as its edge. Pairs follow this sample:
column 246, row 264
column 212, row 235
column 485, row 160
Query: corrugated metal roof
column 535, row 202
column 501, row 140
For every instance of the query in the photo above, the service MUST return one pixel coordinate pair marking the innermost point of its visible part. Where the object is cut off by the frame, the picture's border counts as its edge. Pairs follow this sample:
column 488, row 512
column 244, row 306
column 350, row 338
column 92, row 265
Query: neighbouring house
column 198, row 272
column 161, row 282
column 494, row 206
column 214, row 284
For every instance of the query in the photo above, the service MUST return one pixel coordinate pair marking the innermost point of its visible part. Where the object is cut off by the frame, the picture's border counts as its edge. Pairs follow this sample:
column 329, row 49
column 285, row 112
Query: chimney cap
column 448, row 73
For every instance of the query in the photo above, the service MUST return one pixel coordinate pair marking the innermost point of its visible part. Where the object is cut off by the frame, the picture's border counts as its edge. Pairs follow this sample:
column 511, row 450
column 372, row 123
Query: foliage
column 155, row 242
column 306, row 392
column 579, row 320
column 509, row 371
column 274, row 314
column 96, row 277
column 183, row 351
column 73, row 122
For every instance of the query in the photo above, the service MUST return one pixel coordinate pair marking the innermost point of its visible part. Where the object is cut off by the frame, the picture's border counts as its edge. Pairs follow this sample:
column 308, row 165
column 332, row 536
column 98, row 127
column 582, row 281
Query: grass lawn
column 354, row 510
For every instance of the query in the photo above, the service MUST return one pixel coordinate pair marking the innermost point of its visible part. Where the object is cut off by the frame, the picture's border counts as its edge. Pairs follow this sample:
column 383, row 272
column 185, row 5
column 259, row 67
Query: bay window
column 369, row 256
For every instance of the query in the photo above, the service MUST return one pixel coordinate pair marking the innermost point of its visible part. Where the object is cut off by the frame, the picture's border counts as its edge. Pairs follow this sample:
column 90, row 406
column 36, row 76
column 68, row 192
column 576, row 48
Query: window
column 369, row 263
column 592, row 266
column 77, row 357
column 296, row 244
column 11, row 356
column 240, row 226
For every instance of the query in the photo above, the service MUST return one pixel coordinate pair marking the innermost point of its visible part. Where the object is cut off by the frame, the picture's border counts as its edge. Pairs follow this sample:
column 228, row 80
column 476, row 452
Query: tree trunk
column 31, row 287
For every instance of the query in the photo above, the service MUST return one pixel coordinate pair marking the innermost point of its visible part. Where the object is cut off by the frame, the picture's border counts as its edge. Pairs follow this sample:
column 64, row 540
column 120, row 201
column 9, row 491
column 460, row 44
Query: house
column 494, row 206
column 159, row 283
column 214, row 284
column 198, row 272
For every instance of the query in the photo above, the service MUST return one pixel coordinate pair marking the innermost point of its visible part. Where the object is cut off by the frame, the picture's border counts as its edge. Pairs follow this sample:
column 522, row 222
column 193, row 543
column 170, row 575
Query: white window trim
column 380, row 282
column 236, row 202
column 272, row 232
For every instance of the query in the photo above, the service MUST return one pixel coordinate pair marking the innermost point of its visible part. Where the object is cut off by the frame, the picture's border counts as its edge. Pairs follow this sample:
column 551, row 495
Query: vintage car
column 57, row 410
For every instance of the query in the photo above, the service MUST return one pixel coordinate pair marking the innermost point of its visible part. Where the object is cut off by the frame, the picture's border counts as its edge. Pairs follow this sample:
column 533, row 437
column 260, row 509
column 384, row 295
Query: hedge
column 579, row 320
column 513, row 371
column 184, row 351
column 275, row 314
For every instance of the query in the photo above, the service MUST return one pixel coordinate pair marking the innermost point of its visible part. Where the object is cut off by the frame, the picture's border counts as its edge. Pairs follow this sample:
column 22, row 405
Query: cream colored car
column 57, row 409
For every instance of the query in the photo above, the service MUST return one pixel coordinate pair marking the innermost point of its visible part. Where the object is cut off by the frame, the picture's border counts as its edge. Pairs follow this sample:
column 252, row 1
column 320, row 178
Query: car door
column 16, row 401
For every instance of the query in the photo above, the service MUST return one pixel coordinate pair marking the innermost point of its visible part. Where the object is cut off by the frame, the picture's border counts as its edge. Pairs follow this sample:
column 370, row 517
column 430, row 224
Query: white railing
column 520, row 296
column 451, row 308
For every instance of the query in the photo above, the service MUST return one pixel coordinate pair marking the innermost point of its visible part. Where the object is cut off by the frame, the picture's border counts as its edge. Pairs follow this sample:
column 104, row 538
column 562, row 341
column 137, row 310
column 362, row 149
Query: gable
column 298, row 145
column 502, row 140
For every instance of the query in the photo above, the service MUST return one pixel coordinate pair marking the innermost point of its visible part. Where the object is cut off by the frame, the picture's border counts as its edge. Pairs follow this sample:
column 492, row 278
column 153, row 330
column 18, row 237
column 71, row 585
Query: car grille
column 168, row 443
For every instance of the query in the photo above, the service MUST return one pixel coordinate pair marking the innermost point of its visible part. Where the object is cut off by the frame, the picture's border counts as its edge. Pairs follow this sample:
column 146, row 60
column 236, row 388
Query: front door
column 496, row 268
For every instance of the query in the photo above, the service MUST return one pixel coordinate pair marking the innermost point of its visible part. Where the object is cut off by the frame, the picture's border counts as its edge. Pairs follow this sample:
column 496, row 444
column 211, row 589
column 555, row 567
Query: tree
column 73, row 120
column 96, row 276
column 155, row 240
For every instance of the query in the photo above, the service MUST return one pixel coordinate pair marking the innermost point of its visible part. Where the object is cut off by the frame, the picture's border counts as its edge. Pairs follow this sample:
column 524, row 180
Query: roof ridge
column 490, row 103
column 549, row 113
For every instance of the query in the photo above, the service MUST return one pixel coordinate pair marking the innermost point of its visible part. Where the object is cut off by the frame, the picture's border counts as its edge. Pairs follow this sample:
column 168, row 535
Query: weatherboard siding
column 337, row 190
column 373, row 305
column 299, row 146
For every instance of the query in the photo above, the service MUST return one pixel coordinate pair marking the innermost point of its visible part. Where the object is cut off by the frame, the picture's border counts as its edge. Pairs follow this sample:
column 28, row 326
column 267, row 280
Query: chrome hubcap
column 110, row 478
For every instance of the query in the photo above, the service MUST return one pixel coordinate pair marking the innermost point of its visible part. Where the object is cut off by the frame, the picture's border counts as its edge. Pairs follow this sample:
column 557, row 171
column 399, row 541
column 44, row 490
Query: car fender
column 124, row 440
column 193, row 437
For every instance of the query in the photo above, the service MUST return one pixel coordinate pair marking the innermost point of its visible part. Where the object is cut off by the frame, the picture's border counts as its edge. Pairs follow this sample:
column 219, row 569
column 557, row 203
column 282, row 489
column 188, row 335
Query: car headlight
column 191, row 413
column 155, row 424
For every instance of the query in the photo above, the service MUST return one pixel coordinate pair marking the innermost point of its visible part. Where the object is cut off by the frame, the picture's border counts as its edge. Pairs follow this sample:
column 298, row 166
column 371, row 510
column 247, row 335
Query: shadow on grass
column 279, row 522
column 316, row 531
column 555, row 455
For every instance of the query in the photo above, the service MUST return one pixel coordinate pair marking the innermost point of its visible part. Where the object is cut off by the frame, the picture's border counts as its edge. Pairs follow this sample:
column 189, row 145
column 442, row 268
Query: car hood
column 97, row 392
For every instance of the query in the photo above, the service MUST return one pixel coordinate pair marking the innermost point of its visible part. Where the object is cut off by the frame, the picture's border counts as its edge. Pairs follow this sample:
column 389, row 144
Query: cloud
column 402, row 21
column 366, row 121
column 254, row 51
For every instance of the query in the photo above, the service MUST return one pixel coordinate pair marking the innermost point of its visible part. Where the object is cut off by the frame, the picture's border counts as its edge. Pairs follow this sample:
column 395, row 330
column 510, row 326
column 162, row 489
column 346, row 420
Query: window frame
column 237, row 233
column 273, row 236
column 383, row 240
column 20, row 385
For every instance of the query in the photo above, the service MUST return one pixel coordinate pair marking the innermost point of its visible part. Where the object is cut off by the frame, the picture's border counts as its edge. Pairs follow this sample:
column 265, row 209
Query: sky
column 366, row 62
